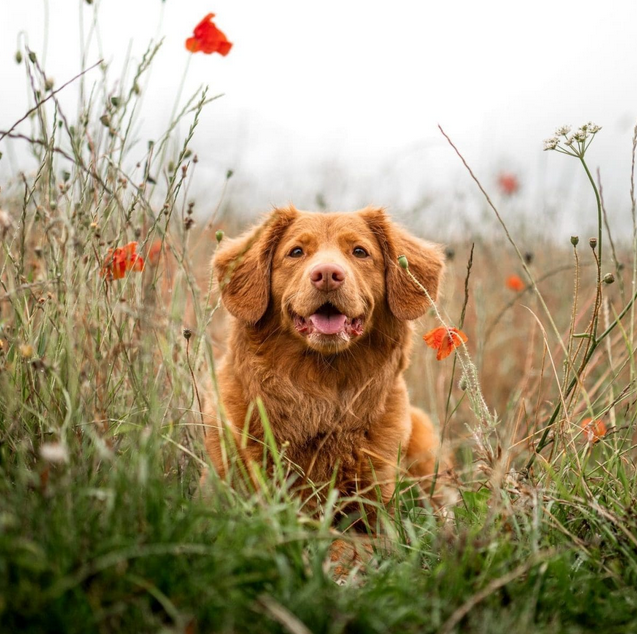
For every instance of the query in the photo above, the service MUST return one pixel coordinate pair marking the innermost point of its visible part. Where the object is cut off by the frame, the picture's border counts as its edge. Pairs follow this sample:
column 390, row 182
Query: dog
column 321, row 333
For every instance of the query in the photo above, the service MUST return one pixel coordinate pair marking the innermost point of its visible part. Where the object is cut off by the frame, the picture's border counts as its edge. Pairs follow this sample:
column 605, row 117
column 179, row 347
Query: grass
column 102, row 527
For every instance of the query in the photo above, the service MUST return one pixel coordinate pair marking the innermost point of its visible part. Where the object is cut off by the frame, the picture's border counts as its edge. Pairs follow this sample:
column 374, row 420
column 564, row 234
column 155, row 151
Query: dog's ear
column 242, row 266
column 426, row 263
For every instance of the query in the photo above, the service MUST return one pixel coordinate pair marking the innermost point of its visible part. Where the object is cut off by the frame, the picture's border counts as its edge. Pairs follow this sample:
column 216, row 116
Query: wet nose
column 327, row 277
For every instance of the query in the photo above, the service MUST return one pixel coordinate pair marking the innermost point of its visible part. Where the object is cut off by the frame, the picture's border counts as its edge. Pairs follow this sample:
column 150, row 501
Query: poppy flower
column 508, row 183
column 154, row 253
column 208, row 39
column 515, row 283
column 445, row 340
column 121, row 260
column 594, row 430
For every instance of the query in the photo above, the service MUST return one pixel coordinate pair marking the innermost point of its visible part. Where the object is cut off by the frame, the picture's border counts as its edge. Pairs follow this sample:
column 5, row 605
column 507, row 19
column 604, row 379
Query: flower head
column 508, row 183
column 121, row 260
column 445, row 340
column 515, row 283
column 580, row 135
column 154, row 253
column 208, row 39
column 551, row 144
column 563, row 130
column 574, row 144
column 594, row 430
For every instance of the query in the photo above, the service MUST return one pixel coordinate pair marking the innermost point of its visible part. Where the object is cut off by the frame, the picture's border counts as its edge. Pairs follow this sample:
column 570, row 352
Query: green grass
column 102, row 525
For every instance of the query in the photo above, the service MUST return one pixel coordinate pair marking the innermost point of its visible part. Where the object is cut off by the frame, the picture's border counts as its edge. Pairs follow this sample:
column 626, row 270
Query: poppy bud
column 229, row 174
column 219, row 235
column 187, row 333
column 574, row 240
column 18, row 57
column 32, row 56
column 402, row 260
column 609, row 278
column 593, row 243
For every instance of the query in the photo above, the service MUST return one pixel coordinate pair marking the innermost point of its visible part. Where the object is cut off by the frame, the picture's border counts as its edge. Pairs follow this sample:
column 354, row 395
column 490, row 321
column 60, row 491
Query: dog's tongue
column 328, row 324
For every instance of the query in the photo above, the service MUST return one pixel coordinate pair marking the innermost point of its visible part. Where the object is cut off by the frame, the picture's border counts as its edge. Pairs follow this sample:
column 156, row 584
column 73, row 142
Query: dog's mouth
column 329, row 321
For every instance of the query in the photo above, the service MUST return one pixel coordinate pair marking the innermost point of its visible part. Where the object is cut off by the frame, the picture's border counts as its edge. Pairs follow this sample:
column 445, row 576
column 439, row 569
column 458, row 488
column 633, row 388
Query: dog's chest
column 301, row 416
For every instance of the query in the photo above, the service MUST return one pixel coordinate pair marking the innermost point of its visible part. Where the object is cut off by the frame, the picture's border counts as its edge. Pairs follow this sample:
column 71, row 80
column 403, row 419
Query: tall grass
column 102, row 527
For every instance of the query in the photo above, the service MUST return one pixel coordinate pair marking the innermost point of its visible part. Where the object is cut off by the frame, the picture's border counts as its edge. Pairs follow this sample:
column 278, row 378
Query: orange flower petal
column 444, row 340
column 137, row 263
column 208, row 39
column 508, row 183
column 594, row 430
column 515, row 283
column 154, row 253
column 192, row 44
column 120, row 260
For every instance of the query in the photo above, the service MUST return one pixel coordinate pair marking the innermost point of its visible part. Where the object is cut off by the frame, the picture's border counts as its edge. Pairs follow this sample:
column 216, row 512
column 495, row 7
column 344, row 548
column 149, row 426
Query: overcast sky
column 344, row 97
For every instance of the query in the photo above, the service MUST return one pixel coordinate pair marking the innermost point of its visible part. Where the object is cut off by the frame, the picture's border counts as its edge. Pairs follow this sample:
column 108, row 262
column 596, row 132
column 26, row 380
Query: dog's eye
column 296, row 252
column 359, row 252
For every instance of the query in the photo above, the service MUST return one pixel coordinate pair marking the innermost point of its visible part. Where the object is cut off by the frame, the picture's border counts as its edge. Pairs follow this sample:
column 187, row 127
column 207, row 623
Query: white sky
column 343, row 97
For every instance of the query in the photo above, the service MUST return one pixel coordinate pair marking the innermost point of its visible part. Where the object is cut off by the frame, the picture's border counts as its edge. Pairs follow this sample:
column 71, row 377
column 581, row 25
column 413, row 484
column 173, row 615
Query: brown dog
column 322, row 335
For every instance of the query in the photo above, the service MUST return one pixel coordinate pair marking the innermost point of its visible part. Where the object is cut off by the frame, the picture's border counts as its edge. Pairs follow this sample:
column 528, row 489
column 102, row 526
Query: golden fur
column 337, row 402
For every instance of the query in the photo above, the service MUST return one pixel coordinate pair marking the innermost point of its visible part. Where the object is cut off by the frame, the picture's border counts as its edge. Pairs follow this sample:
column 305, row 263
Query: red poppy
column 445, row 340
column 154, row 253
column 208, row 39
column 515, row 283
column 594, row 430
column 121, row 260
column 508, row 183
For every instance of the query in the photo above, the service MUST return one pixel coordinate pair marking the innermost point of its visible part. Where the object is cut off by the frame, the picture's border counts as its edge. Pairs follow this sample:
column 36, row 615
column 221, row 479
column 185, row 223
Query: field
column 105, row 345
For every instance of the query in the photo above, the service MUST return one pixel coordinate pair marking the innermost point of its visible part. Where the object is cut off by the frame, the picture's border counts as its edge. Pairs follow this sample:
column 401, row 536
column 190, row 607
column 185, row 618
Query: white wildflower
column 54, row 452
column 593, row 128
column 570, row 140
column 580, row 135
column 563, row 131
column 551, row 144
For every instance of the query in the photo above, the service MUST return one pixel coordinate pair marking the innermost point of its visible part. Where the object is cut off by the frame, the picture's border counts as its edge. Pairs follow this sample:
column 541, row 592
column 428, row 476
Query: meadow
column 109, row 323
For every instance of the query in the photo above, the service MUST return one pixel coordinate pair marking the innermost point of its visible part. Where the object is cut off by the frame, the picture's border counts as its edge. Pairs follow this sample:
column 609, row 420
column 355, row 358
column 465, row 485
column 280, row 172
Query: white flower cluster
column 552, row 143
column 584, row 132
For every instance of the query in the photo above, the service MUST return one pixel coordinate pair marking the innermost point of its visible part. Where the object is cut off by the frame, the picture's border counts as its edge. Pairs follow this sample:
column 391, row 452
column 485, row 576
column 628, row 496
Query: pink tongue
column 328, row 325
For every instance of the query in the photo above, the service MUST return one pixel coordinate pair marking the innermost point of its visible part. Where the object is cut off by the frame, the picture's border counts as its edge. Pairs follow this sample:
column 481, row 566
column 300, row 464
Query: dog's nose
column 327, row 277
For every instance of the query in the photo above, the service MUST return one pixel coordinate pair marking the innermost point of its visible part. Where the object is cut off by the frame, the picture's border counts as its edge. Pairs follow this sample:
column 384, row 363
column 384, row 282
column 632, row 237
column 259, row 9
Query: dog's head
column 326, row 279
